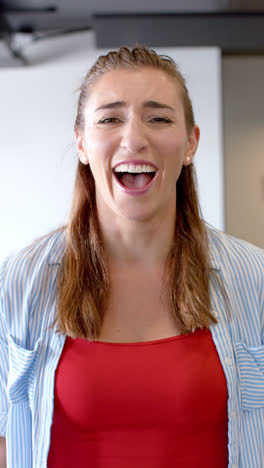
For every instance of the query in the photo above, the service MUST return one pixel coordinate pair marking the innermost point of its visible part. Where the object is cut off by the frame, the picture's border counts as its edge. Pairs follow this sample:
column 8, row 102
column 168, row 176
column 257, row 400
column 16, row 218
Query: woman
column 135, row 334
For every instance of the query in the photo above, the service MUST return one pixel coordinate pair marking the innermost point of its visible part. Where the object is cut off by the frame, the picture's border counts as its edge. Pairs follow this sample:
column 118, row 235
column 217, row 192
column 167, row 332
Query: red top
column 151, row 404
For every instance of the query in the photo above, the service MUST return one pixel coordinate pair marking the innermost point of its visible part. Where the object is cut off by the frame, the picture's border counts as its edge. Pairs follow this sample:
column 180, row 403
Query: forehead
column 134, row 85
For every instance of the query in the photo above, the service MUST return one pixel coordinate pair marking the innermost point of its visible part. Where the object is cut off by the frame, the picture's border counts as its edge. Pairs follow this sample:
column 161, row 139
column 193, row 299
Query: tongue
column 135, row 181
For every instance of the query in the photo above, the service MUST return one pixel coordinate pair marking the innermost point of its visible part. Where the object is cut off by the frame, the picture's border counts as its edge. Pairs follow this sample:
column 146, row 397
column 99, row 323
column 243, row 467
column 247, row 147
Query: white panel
column 37, row 149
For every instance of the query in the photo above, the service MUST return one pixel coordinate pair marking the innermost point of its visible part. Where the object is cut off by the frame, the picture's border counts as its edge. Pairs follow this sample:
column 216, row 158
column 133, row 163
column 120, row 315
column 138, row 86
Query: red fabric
column 154, row 404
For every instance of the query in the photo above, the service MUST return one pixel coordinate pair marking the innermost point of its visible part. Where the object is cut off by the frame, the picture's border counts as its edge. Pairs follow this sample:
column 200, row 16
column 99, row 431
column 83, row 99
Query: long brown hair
column 83, row 279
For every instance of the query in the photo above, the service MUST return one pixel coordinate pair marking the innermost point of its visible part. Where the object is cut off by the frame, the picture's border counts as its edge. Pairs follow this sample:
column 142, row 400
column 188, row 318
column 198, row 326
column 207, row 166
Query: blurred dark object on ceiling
column 232, row 25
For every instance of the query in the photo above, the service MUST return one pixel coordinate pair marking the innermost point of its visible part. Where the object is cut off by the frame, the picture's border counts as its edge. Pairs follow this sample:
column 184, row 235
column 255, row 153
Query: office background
column 37, row 151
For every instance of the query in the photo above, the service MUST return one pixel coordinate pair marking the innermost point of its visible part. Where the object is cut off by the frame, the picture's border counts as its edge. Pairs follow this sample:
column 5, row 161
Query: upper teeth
column 134, row 168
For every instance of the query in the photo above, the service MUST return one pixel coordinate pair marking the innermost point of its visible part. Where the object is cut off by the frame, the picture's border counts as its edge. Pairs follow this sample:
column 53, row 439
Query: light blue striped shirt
column 30, row 351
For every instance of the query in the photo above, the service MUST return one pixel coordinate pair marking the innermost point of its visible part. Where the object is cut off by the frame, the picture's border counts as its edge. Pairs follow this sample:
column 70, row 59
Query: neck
column 133, row 243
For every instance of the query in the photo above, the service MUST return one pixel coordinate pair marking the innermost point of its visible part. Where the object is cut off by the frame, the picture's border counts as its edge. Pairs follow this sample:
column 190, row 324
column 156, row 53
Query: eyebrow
column 151, row 104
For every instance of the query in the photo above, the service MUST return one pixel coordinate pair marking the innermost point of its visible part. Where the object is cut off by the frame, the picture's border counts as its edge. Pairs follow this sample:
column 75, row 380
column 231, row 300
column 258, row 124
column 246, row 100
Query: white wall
column 37, row 150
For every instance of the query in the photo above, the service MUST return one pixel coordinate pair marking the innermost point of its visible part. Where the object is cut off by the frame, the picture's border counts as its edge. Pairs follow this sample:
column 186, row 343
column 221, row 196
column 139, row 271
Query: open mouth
column 134, row 180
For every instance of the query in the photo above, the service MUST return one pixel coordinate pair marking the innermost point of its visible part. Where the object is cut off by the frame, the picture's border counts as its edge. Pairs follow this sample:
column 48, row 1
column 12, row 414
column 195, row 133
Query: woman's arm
column 3, row 367
column 2, row 452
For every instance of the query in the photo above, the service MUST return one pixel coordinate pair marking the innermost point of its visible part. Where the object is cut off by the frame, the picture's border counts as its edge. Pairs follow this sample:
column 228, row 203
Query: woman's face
column 135, row 117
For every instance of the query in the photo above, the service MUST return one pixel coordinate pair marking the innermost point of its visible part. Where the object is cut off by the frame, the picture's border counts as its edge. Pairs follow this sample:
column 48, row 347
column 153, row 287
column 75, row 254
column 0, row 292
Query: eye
column 109, row 120
column 161, row 120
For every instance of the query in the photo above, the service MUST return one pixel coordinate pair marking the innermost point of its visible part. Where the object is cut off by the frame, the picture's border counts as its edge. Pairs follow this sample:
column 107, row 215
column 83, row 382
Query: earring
column 188, row 158
column 84, row 160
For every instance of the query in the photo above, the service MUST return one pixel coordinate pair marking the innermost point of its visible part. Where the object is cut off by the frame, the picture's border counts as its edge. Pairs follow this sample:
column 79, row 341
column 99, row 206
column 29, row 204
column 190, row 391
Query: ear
column 80, row 144
column 192, row 145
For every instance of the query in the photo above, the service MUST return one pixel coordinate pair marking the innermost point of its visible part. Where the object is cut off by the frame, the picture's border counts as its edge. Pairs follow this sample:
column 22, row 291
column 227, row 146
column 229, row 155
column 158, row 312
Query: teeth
column 134, row 168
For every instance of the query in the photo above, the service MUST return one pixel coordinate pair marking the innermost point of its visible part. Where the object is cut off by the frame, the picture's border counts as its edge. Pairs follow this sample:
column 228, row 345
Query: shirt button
column 232, row 414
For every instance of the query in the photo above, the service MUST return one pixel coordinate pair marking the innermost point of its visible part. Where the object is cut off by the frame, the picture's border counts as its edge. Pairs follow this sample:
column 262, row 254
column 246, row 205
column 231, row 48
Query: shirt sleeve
column 262, row 299
column 4, row 366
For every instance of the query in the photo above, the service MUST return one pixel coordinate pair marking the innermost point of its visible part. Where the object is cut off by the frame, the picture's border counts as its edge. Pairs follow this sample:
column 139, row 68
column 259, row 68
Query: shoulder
column 223, row 245
column 235, row 255
column 21, row 268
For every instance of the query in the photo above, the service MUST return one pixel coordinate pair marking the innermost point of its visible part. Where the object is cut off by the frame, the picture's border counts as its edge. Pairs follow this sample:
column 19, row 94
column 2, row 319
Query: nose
column 133, row 139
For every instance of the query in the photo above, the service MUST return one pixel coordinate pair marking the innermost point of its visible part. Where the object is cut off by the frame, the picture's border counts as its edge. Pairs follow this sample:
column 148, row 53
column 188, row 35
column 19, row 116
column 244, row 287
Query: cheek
column 172, row 141
column 100, row 150
column 175, row 147
column 99, row 146
column 174, row 151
